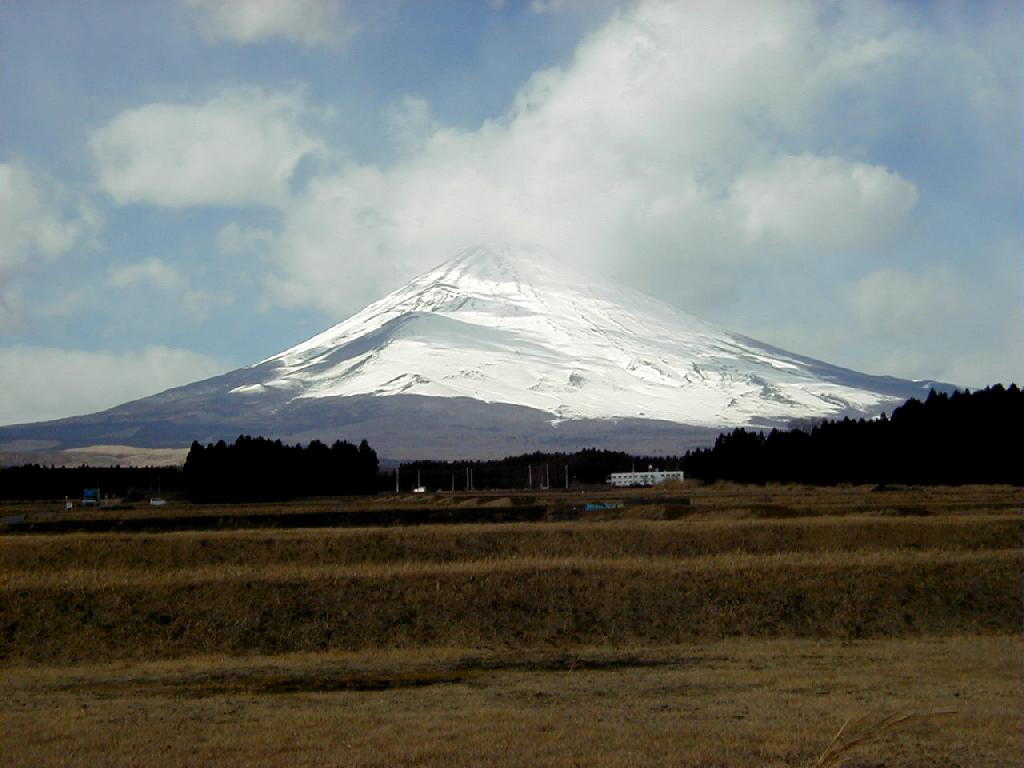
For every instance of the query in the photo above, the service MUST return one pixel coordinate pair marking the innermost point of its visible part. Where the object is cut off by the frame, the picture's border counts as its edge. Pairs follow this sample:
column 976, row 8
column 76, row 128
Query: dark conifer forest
column 33, row 481
column 944, row 440
column 258, row 469
column 529, row 470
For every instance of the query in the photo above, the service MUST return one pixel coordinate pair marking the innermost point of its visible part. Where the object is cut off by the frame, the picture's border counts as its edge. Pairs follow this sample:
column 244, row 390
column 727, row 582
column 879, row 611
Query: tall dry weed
column 855, row 733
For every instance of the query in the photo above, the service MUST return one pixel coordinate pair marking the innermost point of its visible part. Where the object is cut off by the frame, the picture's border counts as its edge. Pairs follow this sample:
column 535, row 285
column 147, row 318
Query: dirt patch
column 501, row 503
column 333, row 678
column 201, row 686
column 490, row 513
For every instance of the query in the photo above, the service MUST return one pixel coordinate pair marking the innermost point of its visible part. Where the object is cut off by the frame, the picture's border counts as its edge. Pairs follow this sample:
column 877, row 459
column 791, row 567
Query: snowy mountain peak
column 520, row 268
column 509, row 324
column 514, row 265
column 497, row 262
column 502, row 349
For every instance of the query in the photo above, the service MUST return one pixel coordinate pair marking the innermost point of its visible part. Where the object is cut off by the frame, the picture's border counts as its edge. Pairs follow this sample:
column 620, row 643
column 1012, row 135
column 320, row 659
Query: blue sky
column 189, row 186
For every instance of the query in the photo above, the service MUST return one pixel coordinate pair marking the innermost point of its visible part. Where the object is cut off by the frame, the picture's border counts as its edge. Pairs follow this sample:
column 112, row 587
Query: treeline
column 259, row 469
column 952, row 439
column 35, row 481
column 529, row 470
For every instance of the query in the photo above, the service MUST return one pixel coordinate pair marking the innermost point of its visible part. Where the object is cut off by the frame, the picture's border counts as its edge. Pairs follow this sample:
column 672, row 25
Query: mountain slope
column 504, row 325
column 494, row 351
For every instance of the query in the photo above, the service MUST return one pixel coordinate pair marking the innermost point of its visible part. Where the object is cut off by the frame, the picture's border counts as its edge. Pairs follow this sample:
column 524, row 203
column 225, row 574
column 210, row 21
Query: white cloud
column 234, row 239
column 30, row 224
column 199, row 304
column 48, row 383
column 305, row 22
column 157, row 274
column 410, row 124
column 894, row 302
column 39, row 222
column 945, row 320
column 153, row 272
column 823, row 202
column 546, row 6
column 238, row 147
column 663, row 146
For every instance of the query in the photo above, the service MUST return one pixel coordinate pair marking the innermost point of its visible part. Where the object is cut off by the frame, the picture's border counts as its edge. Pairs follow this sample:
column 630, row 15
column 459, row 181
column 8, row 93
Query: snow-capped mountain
column 496, row 351
column 506, row 325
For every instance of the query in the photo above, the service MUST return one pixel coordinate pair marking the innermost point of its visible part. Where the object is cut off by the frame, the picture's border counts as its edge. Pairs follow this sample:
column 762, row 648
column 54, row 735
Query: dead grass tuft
column 856, row 733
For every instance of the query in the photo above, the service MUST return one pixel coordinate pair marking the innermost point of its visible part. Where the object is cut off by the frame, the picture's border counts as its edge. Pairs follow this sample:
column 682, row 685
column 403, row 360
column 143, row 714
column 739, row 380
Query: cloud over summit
column 671, row 136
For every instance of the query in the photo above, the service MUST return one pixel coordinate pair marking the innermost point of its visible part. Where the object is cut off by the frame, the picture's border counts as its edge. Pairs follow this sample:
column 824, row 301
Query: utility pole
column 398, row 472
column 567, row 477
column 529, row 475
column 453, row 482
column 547, row 476
column 467, row 478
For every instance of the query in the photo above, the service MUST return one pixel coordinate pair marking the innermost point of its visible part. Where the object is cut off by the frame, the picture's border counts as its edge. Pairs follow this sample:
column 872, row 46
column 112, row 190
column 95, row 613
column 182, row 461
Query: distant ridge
column 498, row 351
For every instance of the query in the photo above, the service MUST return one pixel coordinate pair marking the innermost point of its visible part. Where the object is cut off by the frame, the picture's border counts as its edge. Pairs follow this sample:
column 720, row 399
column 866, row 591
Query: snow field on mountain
column 507, row 325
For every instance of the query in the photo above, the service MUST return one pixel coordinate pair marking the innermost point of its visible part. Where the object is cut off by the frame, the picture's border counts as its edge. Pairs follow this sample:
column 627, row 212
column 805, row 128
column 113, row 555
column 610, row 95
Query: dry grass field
column 719, row 626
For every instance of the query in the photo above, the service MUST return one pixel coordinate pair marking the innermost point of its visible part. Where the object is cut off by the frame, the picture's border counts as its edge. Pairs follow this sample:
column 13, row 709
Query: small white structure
column 637, row 479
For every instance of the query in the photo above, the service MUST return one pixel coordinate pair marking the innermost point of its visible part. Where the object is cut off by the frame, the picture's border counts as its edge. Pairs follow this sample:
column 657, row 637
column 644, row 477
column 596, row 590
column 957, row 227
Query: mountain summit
column 498, row 350
column 505, row 324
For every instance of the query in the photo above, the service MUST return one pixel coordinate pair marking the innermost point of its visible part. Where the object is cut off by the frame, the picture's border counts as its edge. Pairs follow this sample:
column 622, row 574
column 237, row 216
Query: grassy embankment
column 742, row 634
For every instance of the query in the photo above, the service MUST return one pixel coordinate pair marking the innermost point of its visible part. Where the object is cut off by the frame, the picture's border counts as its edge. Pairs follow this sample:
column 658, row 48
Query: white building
column 634, row 479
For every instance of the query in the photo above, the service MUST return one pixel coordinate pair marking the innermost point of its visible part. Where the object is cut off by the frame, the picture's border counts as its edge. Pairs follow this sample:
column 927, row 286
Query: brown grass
column 626, row 539
column 855, row 734
column 94, row 615
column 742, row 634
column 767, row 566
column 731, row 704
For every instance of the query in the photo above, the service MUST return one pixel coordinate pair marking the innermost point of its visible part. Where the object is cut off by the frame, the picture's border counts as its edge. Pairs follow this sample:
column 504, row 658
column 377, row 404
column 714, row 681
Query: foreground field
column 743, row 633
column 734, row 703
